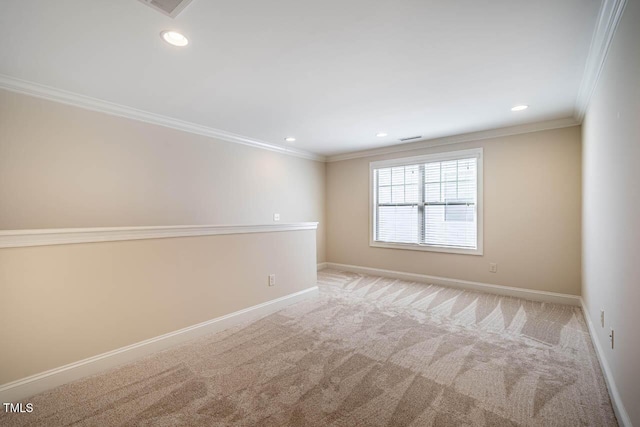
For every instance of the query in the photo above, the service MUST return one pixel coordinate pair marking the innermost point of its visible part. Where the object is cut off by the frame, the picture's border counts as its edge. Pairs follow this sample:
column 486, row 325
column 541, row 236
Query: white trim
column 425, row 248
column 23, row 388
column 88, row 103
column 322, row 266
column 616, row 400
column 63, row 236
column 457, row 139
column 606, row 25
column 607, row 22
column 530, row 294
column 436, row 157
column 450, row 155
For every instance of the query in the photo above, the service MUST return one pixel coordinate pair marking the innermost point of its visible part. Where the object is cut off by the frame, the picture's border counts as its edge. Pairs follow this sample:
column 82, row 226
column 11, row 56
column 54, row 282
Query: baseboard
column 530, row 294
column 618, row 407
column 322, row 266
column 23, row 388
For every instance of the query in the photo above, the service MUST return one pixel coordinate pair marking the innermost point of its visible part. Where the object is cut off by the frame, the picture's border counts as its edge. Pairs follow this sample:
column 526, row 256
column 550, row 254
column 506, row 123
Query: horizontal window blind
column 430, row 203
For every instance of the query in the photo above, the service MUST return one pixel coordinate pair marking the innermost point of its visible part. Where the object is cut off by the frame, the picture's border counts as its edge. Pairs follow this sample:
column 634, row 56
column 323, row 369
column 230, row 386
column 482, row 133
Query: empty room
column 339, row 213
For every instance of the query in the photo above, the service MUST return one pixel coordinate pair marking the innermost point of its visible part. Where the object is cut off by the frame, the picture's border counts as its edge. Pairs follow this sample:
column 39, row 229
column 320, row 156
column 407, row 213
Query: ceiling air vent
column 410, row 138
column 169, row 7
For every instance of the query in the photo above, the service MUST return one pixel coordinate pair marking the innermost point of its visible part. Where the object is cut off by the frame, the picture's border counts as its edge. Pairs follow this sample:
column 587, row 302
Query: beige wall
column 611, row 208
column 62, row 166
column 64, row 303
column 531, row 215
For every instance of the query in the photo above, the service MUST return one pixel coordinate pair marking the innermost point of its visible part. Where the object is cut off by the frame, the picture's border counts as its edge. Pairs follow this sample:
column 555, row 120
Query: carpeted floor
column 369, row 351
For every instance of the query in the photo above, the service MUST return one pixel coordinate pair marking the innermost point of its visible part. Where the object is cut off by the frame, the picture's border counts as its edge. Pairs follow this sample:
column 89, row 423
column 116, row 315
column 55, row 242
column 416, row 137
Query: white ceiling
column 332, row 73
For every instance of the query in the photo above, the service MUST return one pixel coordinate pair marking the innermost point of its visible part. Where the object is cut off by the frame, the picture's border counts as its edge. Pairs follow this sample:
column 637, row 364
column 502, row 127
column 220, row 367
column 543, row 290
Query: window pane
column 384, row 176
column 432, row 172
column 432, row 192
column 434, row 215
column 450, row 170
column 467, row 191
column 397, row 194
column 459, row 213
column 397, row 176
column 398, row 224
column 439, row 231
column 450, row 191
column 384, row 195
column 411, row 174
column 467, row 169
column 411, row 193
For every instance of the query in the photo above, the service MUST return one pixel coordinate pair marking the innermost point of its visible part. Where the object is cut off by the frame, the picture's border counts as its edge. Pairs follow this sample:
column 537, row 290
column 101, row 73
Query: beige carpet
column 369, row 351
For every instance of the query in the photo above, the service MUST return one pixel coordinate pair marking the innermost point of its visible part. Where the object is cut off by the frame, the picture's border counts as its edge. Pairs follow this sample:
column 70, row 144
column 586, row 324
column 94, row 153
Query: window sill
column 414, row 247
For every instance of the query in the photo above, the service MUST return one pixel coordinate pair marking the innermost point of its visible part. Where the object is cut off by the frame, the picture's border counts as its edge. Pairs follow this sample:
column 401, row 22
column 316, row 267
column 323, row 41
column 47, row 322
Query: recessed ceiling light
column 174, row 38
column 519, row 107
column 290, row 139
column 381, row 134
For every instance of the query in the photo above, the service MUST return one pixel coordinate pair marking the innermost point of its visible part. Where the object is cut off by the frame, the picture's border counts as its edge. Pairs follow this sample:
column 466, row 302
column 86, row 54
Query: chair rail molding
column 63, row 236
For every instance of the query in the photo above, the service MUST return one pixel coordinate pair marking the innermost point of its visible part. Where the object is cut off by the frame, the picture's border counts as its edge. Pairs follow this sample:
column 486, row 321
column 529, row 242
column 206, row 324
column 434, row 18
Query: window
column 431, row 203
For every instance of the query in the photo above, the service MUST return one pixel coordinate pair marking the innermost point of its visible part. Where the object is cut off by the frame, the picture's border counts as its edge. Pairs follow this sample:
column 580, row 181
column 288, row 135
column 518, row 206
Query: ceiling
column 331, row 73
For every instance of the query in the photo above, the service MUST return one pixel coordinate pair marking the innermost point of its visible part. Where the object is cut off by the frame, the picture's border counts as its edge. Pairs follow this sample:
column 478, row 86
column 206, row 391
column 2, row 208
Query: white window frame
column 439, row 157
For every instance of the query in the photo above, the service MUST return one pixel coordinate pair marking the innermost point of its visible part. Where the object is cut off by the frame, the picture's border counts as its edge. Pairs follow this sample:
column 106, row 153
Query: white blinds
column 427, row 203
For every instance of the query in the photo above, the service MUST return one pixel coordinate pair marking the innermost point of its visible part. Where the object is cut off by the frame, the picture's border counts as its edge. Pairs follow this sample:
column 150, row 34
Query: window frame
column 437, row 157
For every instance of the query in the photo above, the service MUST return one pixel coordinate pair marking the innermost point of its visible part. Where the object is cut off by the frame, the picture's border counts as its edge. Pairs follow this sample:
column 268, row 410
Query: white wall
column 65, row 167
column 531, row 215
column 63, row 303
column 611, row 208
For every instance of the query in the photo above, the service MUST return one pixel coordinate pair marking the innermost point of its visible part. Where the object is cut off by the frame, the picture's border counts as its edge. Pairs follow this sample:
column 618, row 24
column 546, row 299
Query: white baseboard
column 23, row 388
column 322, row 266
column 552, row 297
column 618, row 407
column 529, row 294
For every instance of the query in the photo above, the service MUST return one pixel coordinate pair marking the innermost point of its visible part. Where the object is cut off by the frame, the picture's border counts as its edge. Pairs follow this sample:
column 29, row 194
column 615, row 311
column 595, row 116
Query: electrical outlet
column 602, row 317
column 493, row 267
column 276, row 217
column 272, row 280
column 611, row 338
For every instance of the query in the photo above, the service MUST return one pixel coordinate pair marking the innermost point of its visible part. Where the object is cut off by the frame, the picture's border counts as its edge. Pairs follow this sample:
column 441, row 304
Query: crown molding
column 88, row 103
column 65, row 236
column 457, row 139
column 606, row 25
